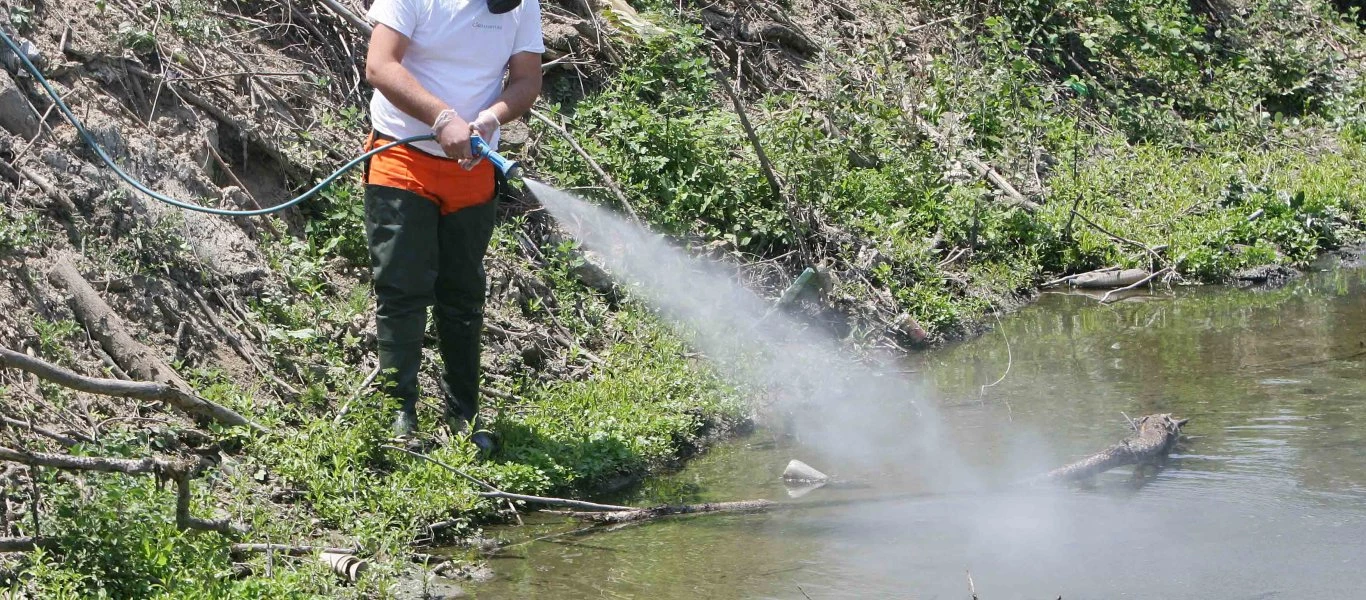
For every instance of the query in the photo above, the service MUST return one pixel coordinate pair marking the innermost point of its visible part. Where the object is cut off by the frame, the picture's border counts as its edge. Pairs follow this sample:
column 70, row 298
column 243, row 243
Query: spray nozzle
column 511, row 169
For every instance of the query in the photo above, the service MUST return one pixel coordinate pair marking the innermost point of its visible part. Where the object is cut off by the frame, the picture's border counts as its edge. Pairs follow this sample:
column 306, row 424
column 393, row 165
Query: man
column 438, row 66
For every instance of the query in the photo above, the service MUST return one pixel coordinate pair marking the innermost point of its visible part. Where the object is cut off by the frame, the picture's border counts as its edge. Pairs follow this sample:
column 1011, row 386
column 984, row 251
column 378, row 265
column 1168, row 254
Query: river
column 1265, row 497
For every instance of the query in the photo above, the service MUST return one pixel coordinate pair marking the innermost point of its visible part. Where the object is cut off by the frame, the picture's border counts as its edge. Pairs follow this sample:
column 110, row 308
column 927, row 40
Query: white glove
column 485, row 125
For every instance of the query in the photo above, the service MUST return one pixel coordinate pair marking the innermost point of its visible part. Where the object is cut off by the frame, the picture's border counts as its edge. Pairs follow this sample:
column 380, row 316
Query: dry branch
column 135, row 357
column 23, row 544
column 1013, row 196
column 493, row 492
column 774, row 185
column 179, row 471
column 40, row 430
column 350, row 17
column 645, row 514
column 123, row 389
column 592, row 164
column 1155, row 437
column 1109, row 279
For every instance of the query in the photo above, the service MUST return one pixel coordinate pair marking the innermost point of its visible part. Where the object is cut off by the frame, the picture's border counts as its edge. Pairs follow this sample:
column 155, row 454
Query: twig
column 645, row 514
column 493, row 492
column 36, row 499
column 804, row 594
column 240, row 346
column 774, row 185
column 1013, row 196
column 30, row 426
column 592, row 164
column 1010, row 359
column 1132, row 425
column 365, row 383
column 1106, row 298
column 1141, row 246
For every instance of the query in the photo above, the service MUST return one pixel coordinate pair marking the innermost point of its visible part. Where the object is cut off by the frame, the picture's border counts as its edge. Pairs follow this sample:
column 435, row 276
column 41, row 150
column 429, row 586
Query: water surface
column 1265, row 499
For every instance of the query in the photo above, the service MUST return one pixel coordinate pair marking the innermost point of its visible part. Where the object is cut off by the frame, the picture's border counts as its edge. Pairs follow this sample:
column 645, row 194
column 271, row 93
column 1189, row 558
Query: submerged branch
column 493, row 492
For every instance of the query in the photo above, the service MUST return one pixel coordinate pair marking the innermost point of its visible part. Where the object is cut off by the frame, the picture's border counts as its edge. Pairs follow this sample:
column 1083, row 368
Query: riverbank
column 935, row 163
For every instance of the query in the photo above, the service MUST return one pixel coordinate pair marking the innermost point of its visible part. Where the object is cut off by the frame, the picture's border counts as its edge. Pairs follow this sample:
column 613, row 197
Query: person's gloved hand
column 453, row 134
column 486, row 125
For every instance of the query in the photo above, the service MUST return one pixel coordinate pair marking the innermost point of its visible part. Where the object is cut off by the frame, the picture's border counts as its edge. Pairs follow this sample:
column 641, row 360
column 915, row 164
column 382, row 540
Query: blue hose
column 138, row 185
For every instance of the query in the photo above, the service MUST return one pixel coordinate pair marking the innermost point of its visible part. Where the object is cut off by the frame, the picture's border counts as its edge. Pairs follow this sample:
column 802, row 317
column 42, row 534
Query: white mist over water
column 853, row 417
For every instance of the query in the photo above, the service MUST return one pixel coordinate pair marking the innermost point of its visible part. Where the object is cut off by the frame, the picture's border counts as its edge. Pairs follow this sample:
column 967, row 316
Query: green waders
column 421, row 258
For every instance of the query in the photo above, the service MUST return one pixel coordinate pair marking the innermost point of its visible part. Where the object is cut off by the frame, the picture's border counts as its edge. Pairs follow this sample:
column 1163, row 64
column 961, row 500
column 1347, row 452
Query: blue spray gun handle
column 511, row 169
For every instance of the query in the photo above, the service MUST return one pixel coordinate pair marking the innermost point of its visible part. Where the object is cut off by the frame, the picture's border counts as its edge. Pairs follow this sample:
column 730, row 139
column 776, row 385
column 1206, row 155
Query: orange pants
column 439, row 179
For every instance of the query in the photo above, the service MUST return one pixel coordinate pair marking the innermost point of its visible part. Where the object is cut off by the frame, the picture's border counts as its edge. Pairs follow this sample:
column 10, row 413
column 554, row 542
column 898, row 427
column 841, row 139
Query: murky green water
column 1266, row 499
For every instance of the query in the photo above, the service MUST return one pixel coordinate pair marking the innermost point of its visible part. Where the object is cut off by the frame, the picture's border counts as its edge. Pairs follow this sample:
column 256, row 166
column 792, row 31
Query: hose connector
column 511, row 169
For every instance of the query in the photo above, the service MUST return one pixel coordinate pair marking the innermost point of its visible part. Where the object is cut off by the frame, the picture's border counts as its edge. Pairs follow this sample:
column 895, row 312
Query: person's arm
column 385, row 71
column 523, row 86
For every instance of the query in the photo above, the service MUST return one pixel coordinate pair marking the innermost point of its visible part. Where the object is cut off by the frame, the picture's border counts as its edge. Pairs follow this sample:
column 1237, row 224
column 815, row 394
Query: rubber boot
column 399, row 364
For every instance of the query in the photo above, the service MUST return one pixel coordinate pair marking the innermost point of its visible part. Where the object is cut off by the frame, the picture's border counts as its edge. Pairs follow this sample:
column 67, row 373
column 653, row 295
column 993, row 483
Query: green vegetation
column 1219, row 139
column 1214, row 136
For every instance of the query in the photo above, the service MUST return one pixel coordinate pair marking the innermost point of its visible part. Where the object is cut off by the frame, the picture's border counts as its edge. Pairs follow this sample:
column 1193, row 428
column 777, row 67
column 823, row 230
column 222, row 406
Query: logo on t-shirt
column 493, row 26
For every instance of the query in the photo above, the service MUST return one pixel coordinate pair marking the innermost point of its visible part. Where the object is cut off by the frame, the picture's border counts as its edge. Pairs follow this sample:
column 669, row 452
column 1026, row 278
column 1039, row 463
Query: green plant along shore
column 1204, row 137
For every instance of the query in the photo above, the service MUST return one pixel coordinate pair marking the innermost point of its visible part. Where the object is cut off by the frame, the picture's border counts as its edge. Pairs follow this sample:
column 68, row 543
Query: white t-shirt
column 459, row 52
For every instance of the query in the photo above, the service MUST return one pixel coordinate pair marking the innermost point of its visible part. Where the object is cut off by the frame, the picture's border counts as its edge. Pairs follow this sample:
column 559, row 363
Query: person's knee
column 463, row 312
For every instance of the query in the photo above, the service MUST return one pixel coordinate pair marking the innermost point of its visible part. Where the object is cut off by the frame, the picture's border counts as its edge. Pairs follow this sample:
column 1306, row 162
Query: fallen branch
column 23, row 544
column 64, row 204
column 493, row 492
column 119, row 388
column 348, row 16
column 592, row 164
column 774, row 185
column 135, row 357
column 645, row 514
column 1070, row 278
column 1013, row 196
column 64, row 440
column 1156, row 436
column 178, row 471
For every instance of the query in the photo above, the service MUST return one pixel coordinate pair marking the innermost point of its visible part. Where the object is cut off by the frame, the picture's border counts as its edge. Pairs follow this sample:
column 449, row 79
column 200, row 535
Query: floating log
column 1154, row 437
column 1109, row 279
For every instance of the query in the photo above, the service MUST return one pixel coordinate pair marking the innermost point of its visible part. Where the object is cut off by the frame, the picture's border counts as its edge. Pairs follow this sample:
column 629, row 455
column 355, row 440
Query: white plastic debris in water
column 799, row 471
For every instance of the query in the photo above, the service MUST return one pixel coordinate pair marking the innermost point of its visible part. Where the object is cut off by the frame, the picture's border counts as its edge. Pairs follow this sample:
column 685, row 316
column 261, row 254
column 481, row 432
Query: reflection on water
column 1266, row 499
